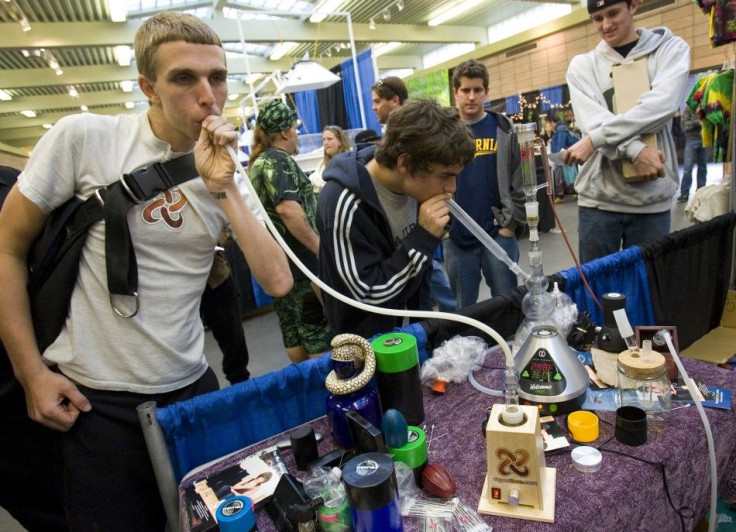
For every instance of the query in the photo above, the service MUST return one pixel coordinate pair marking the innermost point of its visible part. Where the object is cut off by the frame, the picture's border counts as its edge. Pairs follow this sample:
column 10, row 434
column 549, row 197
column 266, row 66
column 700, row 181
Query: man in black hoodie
column 383, row 211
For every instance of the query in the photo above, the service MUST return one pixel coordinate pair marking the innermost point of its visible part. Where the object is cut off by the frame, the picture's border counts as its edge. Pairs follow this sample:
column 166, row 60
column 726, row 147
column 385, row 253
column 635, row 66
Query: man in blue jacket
column 489, row 190
column 383, row 211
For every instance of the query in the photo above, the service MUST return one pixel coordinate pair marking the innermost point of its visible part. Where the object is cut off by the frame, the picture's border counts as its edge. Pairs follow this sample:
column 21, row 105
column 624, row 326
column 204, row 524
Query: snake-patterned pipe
column 351, row 348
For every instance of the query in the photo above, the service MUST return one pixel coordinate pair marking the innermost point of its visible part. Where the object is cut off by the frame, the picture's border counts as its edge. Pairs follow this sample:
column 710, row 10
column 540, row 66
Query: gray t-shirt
column 174, row 234
column 400, row 210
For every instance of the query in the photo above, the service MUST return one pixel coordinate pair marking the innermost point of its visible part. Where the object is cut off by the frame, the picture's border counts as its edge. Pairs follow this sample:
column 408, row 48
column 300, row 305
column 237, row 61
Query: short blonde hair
column 168, row 26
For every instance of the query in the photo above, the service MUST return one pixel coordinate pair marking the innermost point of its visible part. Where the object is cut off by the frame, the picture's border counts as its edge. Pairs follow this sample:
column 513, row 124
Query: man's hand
column 434, row 214
column 505, row 231
column 211, row 158
column 579, row 152
column 53, row 400
column 649, row 164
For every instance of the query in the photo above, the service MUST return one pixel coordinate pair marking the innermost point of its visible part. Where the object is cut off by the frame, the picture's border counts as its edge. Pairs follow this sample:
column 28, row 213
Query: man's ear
column 402, row 163
column 284, row 134
column 149, row 89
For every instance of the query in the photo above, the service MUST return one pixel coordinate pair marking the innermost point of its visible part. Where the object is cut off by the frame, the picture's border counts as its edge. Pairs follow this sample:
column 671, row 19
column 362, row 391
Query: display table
column 625, row 494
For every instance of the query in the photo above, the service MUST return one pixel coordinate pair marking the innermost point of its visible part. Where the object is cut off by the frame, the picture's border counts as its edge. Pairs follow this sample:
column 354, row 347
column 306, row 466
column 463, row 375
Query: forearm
column 265, row 258
column 295, row 220
column 16, row 327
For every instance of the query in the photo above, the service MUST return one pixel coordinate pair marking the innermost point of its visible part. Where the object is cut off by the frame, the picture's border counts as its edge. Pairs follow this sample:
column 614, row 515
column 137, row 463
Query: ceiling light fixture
column 47, row 126
column 323, row 10
column 24, row 23
column 306, row 75
column 51, row 61
column 73, row 92
column 5, row 96
column 126, row 85
column 385, row 13
column 233, row 96
column 28, row 113
column 122, row 54
column 84, row 108
column 280, row 50
column 129, row 105
column 443, row 15
column 118, row 10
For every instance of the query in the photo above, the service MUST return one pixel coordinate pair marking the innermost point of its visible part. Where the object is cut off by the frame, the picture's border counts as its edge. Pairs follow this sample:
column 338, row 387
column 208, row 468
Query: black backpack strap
column 133, row 188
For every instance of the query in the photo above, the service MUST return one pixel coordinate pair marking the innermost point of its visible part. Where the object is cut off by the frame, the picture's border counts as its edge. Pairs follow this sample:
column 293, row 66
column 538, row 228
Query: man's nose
column 205, row 94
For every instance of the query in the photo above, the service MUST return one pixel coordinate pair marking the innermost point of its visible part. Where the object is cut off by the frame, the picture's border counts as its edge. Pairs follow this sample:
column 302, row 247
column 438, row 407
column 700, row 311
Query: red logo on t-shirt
column 166, row 207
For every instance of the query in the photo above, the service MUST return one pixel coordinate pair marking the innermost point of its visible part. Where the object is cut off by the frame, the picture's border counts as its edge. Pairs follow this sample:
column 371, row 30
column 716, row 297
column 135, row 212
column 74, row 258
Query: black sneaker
column 682, row 198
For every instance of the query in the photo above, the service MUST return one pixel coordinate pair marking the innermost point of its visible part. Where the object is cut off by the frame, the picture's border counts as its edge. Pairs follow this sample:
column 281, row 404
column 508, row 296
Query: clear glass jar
column 642, row 382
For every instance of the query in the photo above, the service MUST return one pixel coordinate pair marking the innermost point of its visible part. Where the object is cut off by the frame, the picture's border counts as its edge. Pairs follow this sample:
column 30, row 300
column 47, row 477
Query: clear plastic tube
column 484, row 238
column 357, row 304
column 712, row 518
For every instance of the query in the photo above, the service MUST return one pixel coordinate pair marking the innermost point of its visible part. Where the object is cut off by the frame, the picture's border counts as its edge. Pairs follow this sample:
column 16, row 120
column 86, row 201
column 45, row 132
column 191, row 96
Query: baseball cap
column 276, row 116
column 595, row 5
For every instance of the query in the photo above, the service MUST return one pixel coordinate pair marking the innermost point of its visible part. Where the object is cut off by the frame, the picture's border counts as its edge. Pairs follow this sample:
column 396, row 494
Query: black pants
column 220, row 310
column 106, row 474
column 29, row 490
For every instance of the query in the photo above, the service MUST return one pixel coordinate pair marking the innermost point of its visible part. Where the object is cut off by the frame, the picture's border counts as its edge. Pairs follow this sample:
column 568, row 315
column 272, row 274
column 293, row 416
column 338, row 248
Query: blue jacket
column 563, row 138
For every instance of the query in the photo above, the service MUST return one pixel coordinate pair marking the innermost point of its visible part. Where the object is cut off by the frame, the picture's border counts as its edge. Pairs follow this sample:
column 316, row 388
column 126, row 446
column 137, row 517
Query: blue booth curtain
column 551, row 96
column 623, row 272
column 367, row 79
column 512, row 105
column 308, row 109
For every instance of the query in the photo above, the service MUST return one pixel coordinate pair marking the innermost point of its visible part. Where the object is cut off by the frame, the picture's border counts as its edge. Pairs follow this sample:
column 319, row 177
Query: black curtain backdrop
column 689, row 274
column 331, row 103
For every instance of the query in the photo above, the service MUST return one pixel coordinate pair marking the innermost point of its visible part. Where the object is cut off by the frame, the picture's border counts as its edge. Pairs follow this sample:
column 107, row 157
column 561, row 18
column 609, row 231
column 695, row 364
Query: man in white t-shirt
column 105, row 365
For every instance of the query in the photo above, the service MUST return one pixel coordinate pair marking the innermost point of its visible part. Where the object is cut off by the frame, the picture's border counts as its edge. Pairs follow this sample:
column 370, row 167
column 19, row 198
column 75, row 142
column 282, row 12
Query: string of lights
column 527, row 105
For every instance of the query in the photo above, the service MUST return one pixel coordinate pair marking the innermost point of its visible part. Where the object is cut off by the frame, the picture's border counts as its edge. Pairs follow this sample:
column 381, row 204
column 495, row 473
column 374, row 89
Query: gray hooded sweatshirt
column 600, row 183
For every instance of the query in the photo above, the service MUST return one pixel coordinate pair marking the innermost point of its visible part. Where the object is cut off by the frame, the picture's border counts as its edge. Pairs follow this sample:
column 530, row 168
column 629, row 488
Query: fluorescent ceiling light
column 323, row 10
column 129, row 105
column 126, row 85
column 84, row 108
column 5, row 96
column 24, row 24
column 280, row 50
column 47, row 126
column 305, row 76
column 385, row 48
column 122, row 54
column 29, row 114
column 118, row 10
column 73, row 92
column 233, row 96
column 438, row 17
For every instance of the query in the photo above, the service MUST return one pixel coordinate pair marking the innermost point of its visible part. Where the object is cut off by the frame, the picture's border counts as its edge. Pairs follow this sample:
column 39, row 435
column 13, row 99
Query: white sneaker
column 555, row 231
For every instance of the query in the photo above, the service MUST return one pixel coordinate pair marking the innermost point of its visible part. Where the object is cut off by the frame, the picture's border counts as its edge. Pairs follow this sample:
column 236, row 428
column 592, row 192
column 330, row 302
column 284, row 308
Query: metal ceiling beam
column 44, row 77
column 50, row 35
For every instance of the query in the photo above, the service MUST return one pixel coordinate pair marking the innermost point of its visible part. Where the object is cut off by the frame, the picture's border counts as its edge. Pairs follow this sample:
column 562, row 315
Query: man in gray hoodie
column 614, row 212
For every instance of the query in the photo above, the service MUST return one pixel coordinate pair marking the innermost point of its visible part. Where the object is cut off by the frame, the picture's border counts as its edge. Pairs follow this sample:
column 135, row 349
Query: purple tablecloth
column 624, row 495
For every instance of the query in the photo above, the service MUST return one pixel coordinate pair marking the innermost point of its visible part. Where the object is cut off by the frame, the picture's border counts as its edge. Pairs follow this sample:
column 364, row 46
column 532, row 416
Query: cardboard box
column 630, row 81
column 719, row 345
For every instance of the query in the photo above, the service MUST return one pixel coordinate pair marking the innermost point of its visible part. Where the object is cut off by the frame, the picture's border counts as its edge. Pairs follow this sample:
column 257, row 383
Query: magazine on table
column 711, row 396
column 255, row 476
